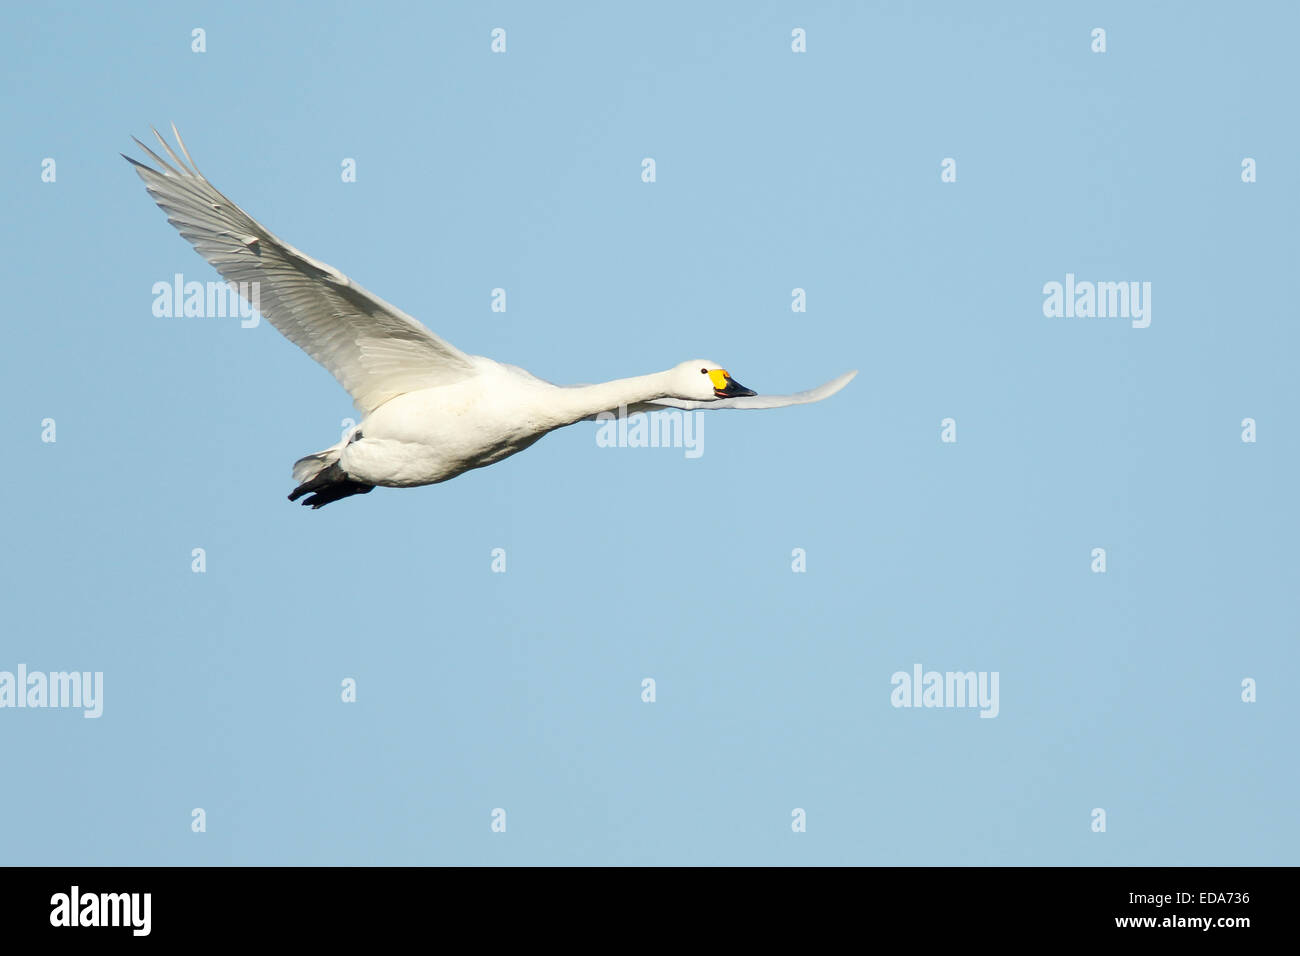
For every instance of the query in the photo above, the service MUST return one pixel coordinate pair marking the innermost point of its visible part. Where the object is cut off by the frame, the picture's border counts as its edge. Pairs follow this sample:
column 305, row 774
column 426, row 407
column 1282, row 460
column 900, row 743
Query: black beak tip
column 734, row 390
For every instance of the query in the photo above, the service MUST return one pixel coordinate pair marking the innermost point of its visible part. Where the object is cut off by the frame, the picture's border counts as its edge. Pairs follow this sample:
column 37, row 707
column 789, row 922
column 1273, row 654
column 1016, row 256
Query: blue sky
column 774, row 171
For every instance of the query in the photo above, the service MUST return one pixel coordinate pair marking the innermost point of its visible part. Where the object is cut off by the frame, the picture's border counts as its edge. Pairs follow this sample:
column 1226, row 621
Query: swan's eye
column 704, row 371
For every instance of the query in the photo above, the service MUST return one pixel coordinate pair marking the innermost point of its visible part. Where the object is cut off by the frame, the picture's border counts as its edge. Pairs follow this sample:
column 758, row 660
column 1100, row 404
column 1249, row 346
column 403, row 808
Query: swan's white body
column 433, row 434
column 431, row 412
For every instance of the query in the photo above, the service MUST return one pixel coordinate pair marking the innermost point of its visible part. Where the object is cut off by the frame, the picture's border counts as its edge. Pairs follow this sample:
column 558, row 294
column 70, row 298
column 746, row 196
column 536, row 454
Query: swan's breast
column 436, row 433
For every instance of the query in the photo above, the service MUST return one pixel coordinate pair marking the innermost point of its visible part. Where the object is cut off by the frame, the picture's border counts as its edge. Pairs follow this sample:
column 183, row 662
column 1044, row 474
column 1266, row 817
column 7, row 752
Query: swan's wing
column 374, row 349
column 751, row 401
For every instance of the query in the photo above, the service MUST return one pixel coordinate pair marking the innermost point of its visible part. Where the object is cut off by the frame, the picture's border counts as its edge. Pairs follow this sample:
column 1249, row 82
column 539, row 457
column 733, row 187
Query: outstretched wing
column 374, row 349
column 749, row 401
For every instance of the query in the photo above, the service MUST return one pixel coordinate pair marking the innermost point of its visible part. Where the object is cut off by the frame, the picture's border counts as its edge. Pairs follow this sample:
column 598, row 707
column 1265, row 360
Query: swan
column 429, row 412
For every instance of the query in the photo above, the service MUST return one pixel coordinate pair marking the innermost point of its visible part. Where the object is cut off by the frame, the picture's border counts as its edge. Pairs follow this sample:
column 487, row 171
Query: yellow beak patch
column 719, row 378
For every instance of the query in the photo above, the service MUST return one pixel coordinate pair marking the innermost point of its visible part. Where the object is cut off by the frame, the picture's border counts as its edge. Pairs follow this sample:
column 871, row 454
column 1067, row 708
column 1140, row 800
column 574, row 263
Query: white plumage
column 431, row 412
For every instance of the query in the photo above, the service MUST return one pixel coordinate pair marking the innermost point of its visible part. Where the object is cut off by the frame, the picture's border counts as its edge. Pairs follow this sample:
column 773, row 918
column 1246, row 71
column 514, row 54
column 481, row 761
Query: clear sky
column 774, row 171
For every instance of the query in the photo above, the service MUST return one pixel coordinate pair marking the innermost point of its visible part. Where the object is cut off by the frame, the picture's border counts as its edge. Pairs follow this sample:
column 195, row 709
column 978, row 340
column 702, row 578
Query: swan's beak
column 724, row 386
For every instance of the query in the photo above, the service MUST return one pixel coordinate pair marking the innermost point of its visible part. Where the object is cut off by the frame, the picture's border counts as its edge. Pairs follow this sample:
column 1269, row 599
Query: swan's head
column 704, row 381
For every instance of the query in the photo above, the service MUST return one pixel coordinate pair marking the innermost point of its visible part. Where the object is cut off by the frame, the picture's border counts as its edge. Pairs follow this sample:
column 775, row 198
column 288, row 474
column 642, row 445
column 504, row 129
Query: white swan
column 431, row 412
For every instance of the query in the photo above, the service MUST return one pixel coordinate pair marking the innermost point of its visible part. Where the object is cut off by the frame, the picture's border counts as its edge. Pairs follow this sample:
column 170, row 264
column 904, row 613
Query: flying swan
column 430, row 412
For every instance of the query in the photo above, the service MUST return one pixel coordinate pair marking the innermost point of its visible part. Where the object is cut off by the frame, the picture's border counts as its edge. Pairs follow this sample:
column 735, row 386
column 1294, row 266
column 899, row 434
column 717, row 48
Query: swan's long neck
column 577, row 402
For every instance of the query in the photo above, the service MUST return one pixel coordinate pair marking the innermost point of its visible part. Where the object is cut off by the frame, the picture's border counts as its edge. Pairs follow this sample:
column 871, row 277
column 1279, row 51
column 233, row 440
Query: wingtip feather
column 170, row 152
column 181, row 143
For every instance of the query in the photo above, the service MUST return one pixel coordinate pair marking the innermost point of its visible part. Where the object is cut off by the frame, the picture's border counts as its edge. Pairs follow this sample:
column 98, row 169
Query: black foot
column 330, row 485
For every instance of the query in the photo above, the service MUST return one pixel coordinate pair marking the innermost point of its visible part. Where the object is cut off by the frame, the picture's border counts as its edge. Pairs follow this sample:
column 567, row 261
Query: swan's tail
column 320, row 476
column 305, row 469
